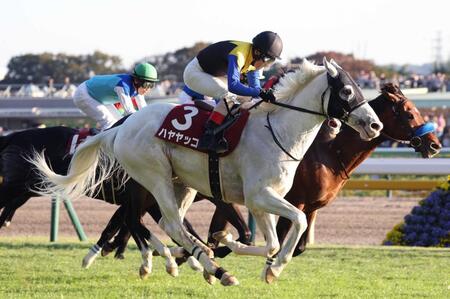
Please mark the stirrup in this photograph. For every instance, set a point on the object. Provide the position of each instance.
(211, 142)
(220, 145)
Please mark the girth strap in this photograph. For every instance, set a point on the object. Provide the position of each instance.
(214, 176)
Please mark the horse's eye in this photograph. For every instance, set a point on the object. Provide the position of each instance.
(346, 92)
(410, 116)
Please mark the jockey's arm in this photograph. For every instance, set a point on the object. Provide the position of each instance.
(125, 100)
(234, 80)
(253, 79)
(140, 101)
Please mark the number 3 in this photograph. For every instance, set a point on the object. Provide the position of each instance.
(193, 111)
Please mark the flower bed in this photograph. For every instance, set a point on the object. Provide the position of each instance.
(428, 224)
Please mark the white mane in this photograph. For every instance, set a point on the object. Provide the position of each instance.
(291, 83)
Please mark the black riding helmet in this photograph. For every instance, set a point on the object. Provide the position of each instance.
(269, 44)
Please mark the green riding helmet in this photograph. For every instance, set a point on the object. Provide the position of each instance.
(146, 72)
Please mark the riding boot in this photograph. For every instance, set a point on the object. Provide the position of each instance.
(212, 141)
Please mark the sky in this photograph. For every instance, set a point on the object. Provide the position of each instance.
(385, 31)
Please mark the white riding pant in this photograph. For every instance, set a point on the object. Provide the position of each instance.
(217, 87)
(184, 98)
(94, 109)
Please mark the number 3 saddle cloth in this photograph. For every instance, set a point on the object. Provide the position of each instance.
(185, 124)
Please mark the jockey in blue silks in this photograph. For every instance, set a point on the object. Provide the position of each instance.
(216, 72)
(98, 95)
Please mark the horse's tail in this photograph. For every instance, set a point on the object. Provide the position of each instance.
(92, 163)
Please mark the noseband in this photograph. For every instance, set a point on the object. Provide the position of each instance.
(416, 134)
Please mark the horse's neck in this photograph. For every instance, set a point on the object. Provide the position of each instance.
(294, 126)
(350, 150)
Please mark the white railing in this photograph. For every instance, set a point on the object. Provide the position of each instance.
(408, 166)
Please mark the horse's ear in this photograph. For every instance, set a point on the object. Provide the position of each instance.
(392, 97)
(335, 63)
(331, 69)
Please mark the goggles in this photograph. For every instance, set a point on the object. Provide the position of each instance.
(267, 58)
(148, 84)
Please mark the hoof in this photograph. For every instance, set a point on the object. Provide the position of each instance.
(228, 280)
(194, 264)
(222, 236)
(209, 278)
(144, 272)
(269, 276)
(119, 256)
(106, 250)
(172, 270)
(7, 223)
(87, 261)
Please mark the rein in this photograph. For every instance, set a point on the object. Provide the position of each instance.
(275, 139)
(269, 125)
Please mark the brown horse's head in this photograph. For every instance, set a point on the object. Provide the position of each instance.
(404, 123)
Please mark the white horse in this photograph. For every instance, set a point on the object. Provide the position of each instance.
(257, 174)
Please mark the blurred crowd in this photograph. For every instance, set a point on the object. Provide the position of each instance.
(67, 89)
(436, 82)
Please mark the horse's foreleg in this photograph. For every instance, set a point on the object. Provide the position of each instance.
(311, 224)
(264, 221)
(224, 213)
(171, 223)
(270, 202)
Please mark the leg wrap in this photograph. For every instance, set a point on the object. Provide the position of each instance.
(219, 272)
(269, 261)
(197, 252)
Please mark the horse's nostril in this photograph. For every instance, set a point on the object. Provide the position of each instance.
(333, 124)
(375, 126)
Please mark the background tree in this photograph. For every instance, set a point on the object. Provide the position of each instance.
(38, 68)
(171, 65)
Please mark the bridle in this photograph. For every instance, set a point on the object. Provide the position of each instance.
(416, 134)
(346, 108)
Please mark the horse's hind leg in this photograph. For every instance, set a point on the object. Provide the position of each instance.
(10, 209)
(110, 230)
(160, 185)
(120, 242)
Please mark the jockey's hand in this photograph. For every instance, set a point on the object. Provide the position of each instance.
(267, 95)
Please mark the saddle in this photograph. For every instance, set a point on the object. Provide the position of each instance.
(78, 138)
(184, 125)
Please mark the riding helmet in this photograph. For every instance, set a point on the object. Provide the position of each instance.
(269, 43)
(146, 72)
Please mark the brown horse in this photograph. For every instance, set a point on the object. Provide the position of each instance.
(328, 168)
(328, 164)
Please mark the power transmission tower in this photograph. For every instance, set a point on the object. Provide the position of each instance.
(437, 52)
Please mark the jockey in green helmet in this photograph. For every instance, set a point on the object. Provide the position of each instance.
(103, 97)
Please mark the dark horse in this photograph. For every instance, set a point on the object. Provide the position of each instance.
(329, 163)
